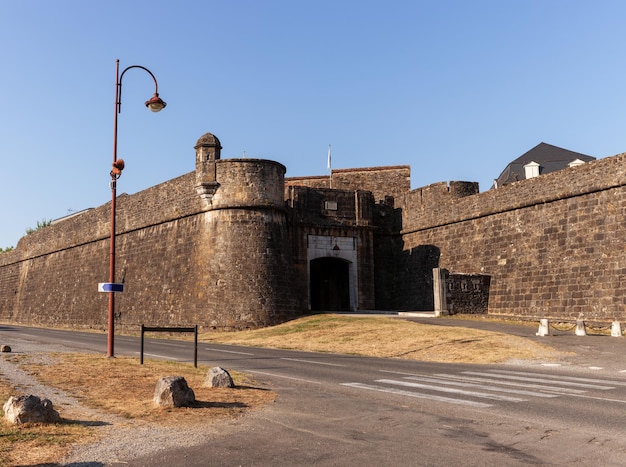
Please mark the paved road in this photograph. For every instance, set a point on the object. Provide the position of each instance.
(346, 410)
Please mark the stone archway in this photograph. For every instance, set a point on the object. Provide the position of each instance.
(330, 284)
(338, 267)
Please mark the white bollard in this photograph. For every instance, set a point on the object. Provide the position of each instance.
(544, 327)
(616, 329)
(581, 330)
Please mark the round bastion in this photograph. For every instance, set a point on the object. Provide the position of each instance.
(249, 183)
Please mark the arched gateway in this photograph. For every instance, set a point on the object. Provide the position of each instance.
(330, 284)
(332, 273)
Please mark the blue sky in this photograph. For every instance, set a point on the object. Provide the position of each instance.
(455, 89)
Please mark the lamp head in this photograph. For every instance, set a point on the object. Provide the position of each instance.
(155, 103)
(118, 166)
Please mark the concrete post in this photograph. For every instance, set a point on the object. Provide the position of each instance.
(439, 291)
(616, 329)
(544, 328)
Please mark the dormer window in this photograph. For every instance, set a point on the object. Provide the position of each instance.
(575, 163)
(531, 170)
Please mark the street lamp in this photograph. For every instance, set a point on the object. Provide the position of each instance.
(155, 104)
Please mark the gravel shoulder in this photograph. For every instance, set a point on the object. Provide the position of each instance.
(118, 439)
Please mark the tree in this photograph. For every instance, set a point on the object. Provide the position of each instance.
(43, 223)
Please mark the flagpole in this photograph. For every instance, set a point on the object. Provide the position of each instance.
(330, 168)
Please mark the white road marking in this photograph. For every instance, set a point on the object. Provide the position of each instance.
(513, 383)
(563, 377)
(481, 395)
(452, 382)
(228, 351)
(416, 394)
(311, 361)
(168, 357)
(282, 376)
(538, 380)
(400, 373)
(546, 385)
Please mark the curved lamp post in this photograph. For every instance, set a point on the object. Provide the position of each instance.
(155, 104)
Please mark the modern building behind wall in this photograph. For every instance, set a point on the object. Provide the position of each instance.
(235, 245)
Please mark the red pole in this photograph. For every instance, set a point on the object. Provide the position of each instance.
(111, 312)
(155, 104)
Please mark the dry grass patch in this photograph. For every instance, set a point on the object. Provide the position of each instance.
(389, 338)
(119, 386)
(124, 387)
(35, 444)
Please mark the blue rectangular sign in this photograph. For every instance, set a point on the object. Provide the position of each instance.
(110, 287)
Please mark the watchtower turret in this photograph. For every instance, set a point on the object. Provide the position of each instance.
(208, 150)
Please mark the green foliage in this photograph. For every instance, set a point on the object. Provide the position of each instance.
(43, 223)
(4, 250)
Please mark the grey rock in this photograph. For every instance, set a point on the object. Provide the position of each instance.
(218, 378)
(173, 391)
(29, 409)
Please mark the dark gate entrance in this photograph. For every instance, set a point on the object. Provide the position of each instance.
(330, 284)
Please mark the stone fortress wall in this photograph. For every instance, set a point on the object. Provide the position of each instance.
(51, 277)
(232, 244)
(185, 258)
(553, 245)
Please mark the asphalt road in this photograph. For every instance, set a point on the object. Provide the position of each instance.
(337, 410)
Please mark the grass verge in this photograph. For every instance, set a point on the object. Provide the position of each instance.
(389, 338)
(119, 386)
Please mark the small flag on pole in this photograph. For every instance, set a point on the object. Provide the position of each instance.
(330, 170)
(329, 162)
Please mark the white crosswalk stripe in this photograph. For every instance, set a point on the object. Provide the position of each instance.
(493, 385)
(539, 380)
(486, 387)
(481, 395)
(562, 377)
(514, 383)
(416, 394)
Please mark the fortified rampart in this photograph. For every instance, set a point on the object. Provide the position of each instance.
(185, 256)
(56, 270)
(393, 180)
(235, 245)
(553, 245)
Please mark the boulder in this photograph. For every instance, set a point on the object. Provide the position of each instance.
(218, 378)
(29, 409)
(173, 391)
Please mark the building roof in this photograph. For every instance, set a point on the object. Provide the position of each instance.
(550, 159)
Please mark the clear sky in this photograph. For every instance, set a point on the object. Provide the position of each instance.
(455, 89)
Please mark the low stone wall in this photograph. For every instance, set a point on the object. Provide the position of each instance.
(468, 293)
